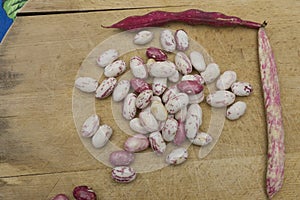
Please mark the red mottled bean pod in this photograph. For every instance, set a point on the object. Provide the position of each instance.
(270, 84)
(192, 17)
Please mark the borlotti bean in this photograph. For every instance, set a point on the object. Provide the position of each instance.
(193, 77)
(115, 69)
(220, 99)
(156, 54)
(143, 37)
(175, 77)
(182, 40)
(180, 135)
(190, 86)
(241, 89)
(197, 61)
(181, 114)
(157, 143)
(129, 108)
(162, 69)
(143, 99)
(193, 120)
(169, 130)
(121, 158)
(136, 143)
(106, 88)
(175, 103)
(211, 73)
(121, 90)
(159, 111)
(169, 93)
(167, 41)
(102, 136)
(236, 110)
(159, 85)
(86, 84)
(139, 85)
(201, 139)
(123, 174)
(136, 126)
(148, 121)
(177, 156)
(183, 63)
(90, 126)
(138, 67)
(226, 79)
(107, 57)
(196, 98)
(80, 192)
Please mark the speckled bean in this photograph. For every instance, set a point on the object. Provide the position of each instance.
(106, 88)
(241, 89)
(129, 108)
(167, 41)
(121, 90)
(107, 57)
(121, 158)
(90, 126)
(183, 63)
(226, 79)
(236, 110)
(177, 156)
(136, 143)
(211, 73)
(115, 69)
(86, 84)
(157, 143)
(159, 85)
(123, 174)
(143, 37)
(197, 61)
(182, 40)
(102, 136)
(201, 139)
(138, 67)
(220, 98)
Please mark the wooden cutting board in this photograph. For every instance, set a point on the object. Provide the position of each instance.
(41, 153)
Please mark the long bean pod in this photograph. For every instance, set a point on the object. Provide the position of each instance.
(270, 84)
(191, 16)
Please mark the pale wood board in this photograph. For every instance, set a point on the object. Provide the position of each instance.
(41, 6)
(41, 153)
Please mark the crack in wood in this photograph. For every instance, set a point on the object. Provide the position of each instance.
(48, 173)
(58, 12)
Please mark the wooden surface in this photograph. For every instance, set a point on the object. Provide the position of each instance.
(40, 152)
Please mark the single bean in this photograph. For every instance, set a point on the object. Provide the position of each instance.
(121, 158)
(156, 54)
(84, 192)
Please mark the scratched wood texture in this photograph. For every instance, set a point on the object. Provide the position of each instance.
(41, 154)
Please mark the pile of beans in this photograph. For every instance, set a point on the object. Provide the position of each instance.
(164, 109)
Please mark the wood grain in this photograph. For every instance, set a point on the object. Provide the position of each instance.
(40, 6)
(41, 153)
